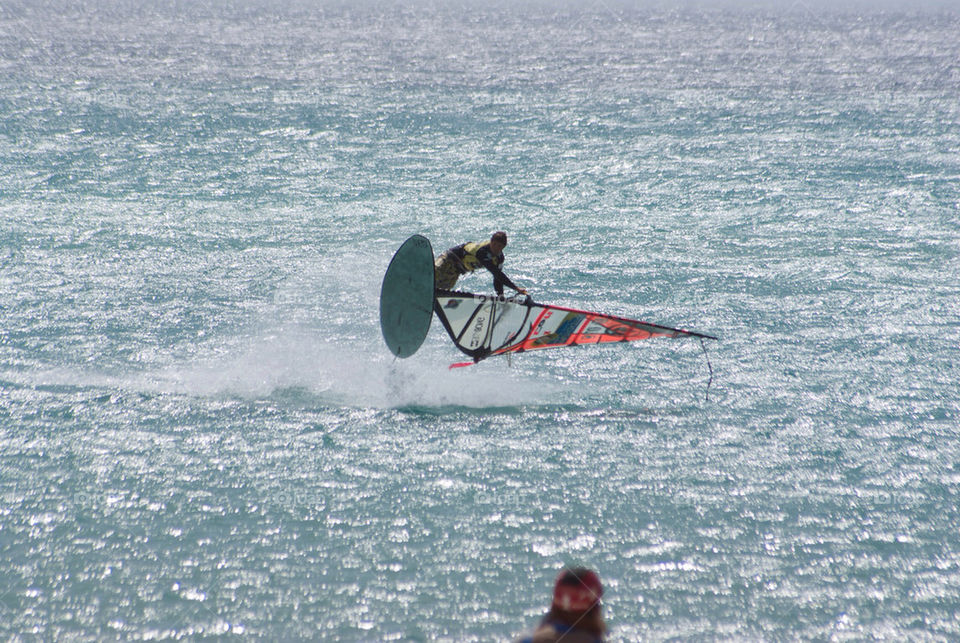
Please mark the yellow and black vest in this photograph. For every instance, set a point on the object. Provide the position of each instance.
(467, 253)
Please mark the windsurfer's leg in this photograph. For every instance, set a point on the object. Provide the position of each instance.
(445, 273)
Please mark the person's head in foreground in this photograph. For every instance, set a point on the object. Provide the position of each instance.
(575, 613)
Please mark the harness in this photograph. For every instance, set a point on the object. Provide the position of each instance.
(466, 255)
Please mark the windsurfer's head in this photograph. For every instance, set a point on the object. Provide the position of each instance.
(498, 241)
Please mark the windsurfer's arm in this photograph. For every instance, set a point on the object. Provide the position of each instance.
(499, 279)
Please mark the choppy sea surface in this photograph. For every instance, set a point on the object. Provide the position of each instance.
(202, 434)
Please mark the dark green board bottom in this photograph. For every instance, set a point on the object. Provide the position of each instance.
(406, 297)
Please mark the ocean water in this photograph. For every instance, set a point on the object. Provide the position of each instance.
(202, 434)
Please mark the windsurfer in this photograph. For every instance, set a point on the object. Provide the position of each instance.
(469, 256)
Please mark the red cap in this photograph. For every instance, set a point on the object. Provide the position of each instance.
(577, 590)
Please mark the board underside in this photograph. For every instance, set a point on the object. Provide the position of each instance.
(406, 297)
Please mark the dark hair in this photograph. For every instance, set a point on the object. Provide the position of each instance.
(579, 577)
(499, 236)
(572, 575)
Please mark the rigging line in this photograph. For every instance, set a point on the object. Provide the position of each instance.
(709, 366)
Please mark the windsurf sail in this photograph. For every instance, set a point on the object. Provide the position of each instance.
(483, 326)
